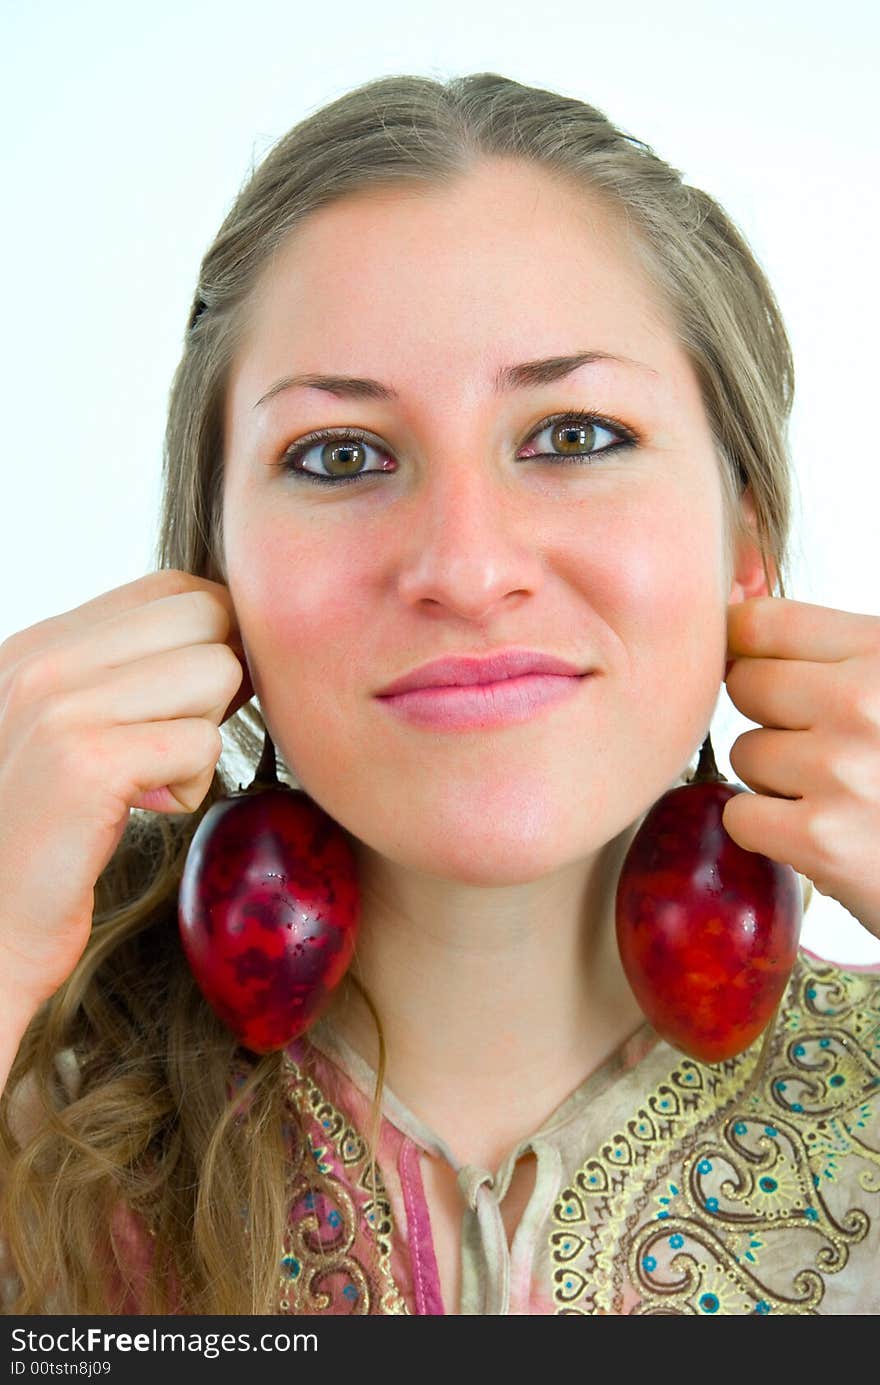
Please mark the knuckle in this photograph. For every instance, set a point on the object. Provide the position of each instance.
(836, 768)
(31, 681)
(55, 716)
(13, 648)
(229, 669)
(211, 743)
(209, 610)
(854, 774)
(866, 705)
(169, 581)
(734, 680)
(742, 752)
(819, 832)
(81, 760)
(749, 621)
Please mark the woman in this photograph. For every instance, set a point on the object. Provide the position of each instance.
(556, 386)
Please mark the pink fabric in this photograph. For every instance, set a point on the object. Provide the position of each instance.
(428, 1296)
(412, 1262)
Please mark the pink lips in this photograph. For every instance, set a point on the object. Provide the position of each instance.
(458, 693)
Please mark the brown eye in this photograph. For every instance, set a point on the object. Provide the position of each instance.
(577, 437)
(334, 457)
(338, 457)
(573, 437)
(343, 458)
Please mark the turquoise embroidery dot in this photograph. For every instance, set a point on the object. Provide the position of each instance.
(811, 993)
(711, 1204)
(673, 1190)
(334, 1219)
(796, 1106)
(762, 1307)
(649, 1263)
(661, 1216)
(815, 1180)
(812, 1214)
(309, 1200)
(291, 1266)
(350, 1292)
(740, 1128)
(799, 1051)
(780, 1085)
(837, 1080)
(767, 1184)
(771, 1131)
(676, 1241)
(704, 1166)
(824, 1043)
(709, 1303)
(569, 1285)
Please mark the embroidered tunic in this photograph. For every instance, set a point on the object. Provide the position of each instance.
(663, 1185)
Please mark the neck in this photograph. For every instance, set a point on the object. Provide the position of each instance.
(495, 1002)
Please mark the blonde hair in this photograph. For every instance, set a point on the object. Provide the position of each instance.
(152, 1121)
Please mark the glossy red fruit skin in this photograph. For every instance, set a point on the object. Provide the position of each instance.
(269, 911)
(707, 931)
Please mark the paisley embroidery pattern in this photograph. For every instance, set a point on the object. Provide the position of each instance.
(336, 1256)
(677, 1212)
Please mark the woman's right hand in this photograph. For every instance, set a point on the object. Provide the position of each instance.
(114, 705)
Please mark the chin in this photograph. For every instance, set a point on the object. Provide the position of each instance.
(484, 861)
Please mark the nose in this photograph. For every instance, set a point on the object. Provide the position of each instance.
(468, 549)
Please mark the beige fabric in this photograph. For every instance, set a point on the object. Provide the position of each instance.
(665, 1185)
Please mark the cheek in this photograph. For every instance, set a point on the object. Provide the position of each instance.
(654, 576)
(656, 569)
(300, 601)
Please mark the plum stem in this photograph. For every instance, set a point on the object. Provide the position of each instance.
(707, 772)
(266, 776)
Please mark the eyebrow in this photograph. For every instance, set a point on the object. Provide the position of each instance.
(511, 377)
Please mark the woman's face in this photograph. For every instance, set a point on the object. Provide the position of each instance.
(460, 539)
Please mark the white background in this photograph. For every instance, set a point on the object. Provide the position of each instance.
(130, 128)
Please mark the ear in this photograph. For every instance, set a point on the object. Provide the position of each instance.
(748, 578)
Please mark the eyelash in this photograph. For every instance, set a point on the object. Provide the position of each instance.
(293, 454)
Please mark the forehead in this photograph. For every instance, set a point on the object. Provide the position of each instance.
(509, 262)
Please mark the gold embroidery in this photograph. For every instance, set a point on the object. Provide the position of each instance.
(314, 1259)
(678, 1212)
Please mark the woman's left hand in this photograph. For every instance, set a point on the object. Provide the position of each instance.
(810, 676)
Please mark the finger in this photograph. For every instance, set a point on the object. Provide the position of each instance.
(773, 827)
(193, 617)
(199, 681)
(168, 767)
(788, 764)
(782, 694)
(172, 622)
(775, 627)
(121, 601)
(244, 694)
